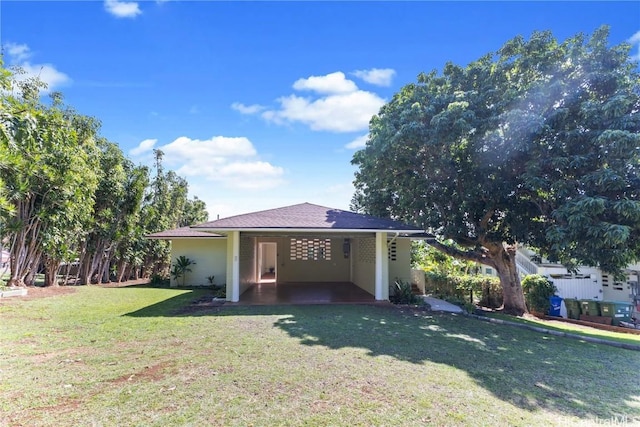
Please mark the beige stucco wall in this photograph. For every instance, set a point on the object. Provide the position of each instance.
(364, 262)
(401, 267)
(210, 256)
(336, 269)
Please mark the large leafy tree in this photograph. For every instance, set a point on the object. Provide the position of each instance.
(537, 144)
(47, 175)
(118, 200)
(166, 206)
(69, 196)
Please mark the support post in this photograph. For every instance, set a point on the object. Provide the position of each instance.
(233, 266)
(382, 268)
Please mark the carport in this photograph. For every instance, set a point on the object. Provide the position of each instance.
(305, 293)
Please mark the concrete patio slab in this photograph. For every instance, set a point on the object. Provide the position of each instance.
(440, 305)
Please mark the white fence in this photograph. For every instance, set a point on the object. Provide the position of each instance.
(578, 288)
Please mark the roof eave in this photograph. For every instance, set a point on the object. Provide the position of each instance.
(312, 230)
(184, 237)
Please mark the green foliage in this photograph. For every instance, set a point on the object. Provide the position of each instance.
(47, 176)
(158, 280)
(537, 290)
(194, 212)
(428, 258)
(482, 290)
(220, 291)
(67, 194)
(535, 144)
(401, 293)
(181, 267)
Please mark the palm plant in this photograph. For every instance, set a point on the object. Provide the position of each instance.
(181, 267)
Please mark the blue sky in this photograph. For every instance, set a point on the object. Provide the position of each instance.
(262, 104)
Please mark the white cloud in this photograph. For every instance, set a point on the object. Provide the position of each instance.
(333, 83)
(143, 147)
(19, 55)
(122, 9)
(218, 146)
(376, 76)
(634, 41)
(251, 175)
(359, 142)
(17, 52)
(247, 109)
(338, 105)
(47, 73)
(229, 161)
(349, 112)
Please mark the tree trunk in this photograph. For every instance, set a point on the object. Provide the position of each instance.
(504, 257)
(122, 267)
(51, 268)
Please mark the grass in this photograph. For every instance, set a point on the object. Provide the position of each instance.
(132, 356)
(573, 329)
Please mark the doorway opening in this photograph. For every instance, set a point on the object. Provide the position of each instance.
(267, 262)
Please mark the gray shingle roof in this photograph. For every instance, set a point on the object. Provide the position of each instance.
(181, 233)
(306, 216)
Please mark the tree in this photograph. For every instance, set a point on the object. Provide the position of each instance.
(166, 206)
(195, 212)
(67, 194)
(118, 200)
(47, 174)
(536, 144)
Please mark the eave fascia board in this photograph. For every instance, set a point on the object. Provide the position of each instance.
(312, 230)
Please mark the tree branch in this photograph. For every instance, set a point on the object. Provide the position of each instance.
(474, 255)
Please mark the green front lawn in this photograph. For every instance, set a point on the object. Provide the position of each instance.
(132, 356)
(570, 328)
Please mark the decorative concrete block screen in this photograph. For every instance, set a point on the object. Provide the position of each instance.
(310, 249)
(246, 249)
(367, 250)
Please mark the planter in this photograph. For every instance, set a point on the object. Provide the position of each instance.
(13, 293)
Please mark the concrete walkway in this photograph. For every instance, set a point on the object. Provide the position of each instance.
(440, 305)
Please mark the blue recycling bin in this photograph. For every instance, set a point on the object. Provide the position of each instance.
(556, 304)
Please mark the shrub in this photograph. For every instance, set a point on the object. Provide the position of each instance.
(401, 293)
(485, 290)
(537, 290)
(219, 291)
(159, 280)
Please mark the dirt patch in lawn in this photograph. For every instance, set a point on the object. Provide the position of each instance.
(203, 303)
(149, 373)
(34, 292)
